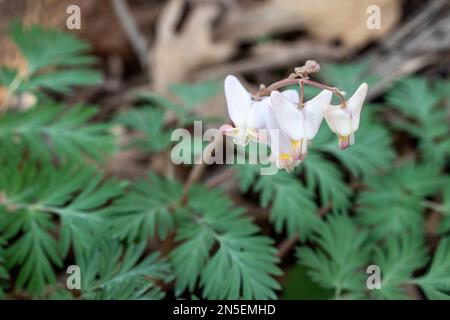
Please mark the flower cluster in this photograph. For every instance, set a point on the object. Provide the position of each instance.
(284, 122)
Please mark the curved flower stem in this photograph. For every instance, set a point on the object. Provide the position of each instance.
(287, 82)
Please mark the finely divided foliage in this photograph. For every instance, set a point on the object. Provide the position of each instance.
(349, 209)
(221, 246)
(49, 132)
(55, 60)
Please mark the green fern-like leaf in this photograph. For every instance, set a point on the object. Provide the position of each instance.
(56, 60)
(444, 225)
(3, 272)
(247, 176)
(189, 96)
(348, 77)
(35, 251)
(328, 178)
(436, 282)
(47, 131)
(149, 122)
(293, 207)
(342, 254)
(147, 210)
(192, 95)
(30, 200)
(110, 272)
(244, 263)
(423, 116)
(401, 255)
(394, 202)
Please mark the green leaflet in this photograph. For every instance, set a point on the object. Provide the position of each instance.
(342, 252)
(112, 272)
(30, 200)
(48, 131)
(55, 60)
(147, 209)
(436, 282)
(150, 122)
(398, 258)
(246, 260)
(394, 202)
(424, 116)
(292, 204)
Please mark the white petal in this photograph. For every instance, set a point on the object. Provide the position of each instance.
(292, 165)
(242, 138)
(314, 112)
(279, 143)
(292, 95)
(338, 120)
(238, 100)
(355, 103)
(258, 110)
(291, 120)
(229, 131)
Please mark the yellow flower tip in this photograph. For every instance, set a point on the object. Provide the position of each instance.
(299, 149)
(344, 142)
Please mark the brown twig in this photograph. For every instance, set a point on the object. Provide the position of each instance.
(129, 26)
(220, 178)
(287, 244)
(197, 171)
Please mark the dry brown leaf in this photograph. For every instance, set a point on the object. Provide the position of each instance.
(9, 54)
(326, 20)
(176, 54)
(346, 20)
(99, 25)
(3, 95)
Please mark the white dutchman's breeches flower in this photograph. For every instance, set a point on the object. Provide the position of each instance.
(298, 126)
(344, 120)
(286, 124)
(247, 114)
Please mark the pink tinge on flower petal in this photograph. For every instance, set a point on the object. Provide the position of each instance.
(348, 112)
(304, 155)
(229, 130)
(283, 161)
(262, 136)
(292, 165)
(296, 151)
(344, 142)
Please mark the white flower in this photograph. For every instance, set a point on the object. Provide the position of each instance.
(344, 121)
(297, 126)
(280, 144)
(247, 114)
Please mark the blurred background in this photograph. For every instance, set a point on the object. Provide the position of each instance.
(157, 43)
